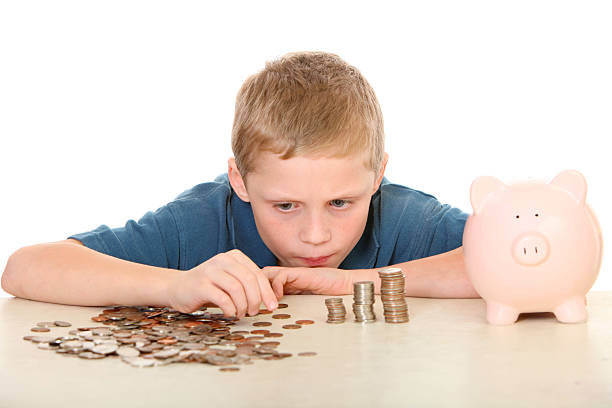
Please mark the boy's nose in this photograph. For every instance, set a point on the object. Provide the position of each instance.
(315, 231)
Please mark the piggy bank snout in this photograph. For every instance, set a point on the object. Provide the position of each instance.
(531, 249)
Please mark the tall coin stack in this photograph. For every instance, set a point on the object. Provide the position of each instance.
(336, 310)
(363, 299)
(392, 295)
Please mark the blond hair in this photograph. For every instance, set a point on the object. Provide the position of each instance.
(307, 103)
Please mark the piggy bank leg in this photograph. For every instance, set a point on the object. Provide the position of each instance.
(572, 310)
(501, 314)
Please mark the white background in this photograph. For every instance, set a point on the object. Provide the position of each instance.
(111, 109)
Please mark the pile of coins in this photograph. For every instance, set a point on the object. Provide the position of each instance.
(363, 301)
(336, 313)
(392, 295)
(151, 336)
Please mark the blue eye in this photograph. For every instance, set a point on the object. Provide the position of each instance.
(284, 206)
(339, 203)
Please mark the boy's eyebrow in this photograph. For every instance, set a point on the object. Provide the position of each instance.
(280, 196)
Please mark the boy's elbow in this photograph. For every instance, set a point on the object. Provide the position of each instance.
(10, 276)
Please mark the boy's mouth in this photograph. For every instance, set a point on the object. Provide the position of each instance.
(318, 261)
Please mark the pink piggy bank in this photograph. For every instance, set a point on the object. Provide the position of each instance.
(532, 247)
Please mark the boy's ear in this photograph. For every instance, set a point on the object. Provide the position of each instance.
(236, 180)
(381, 174)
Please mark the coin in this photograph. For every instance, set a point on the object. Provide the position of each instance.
(281, 316)
(40, 329)
(292, 326)
(307, 354)
(261, 331)
(61, 323)
(262, 324)
(273, 335)
(336, 310)
(392, 295)
(229, 369)
(302, 322)
(282, 305)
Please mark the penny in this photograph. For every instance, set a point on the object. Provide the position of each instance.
(45, 324)
(229, 369)
(282, 305)
(39, 329)
(270, 343)
(99, 318)
(273, 335)
(240, 332)
(264, 311)
(261, 331)
(60, 323)
(262, 324)
(292, 326)
(168, 340)
(281, 316)
(302, 322)
(307, 354)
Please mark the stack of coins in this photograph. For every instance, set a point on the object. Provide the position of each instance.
(363, 299)
(392, 295)
(336, 310)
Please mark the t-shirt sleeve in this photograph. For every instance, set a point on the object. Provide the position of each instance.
(425, 227)
(152, 240)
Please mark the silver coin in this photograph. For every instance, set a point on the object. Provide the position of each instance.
(104, 348)
(126, 351)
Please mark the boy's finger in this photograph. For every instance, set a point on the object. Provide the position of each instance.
(250, 284)
(232, 287)
(277, 284)
(221, 300)
(266, 293)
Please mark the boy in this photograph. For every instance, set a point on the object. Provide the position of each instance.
(305, 190)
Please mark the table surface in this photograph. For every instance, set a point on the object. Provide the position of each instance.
(447, 355)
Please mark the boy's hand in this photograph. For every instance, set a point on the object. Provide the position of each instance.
(229, 280)
(316, 281)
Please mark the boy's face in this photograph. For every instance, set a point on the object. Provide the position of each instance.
(309, 211)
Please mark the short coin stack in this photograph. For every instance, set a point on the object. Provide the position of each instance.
(363, 299)
(336, 310)
(392, 295)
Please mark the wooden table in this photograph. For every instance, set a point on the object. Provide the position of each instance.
(447, 355)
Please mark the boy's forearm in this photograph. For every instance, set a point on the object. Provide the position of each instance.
(438, 276)
(66, 273)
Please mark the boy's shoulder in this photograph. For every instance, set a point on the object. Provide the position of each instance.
(220, 186)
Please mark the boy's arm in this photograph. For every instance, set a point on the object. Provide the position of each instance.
(69, 273)
(438, 276)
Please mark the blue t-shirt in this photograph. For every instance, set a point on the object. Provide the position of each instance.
(208, 219)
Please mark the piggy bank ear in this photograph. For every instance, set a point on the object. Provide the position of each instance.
(481, 188)
(572, 182)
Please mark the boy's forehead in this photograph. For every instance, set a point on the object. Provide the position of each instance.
(330, 174)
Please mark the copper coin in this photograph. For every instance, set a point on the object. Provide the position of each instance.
(292, 326)
(260, 331)
(273, 335)
(192, 324)
(262, 324)
(307, 354)
(167, 340)
(39, 329)
(264, 311)
(270, 343)
(256, 337)
(304, 322)
(281, 316)
(229, 369)
(240, 332)
(282, 305)
(99, 318)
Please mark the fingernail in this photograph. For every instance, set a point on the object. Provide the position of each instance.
(272, 305)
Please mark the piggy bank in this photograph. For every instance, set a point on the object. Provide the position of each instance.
(532, 247)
